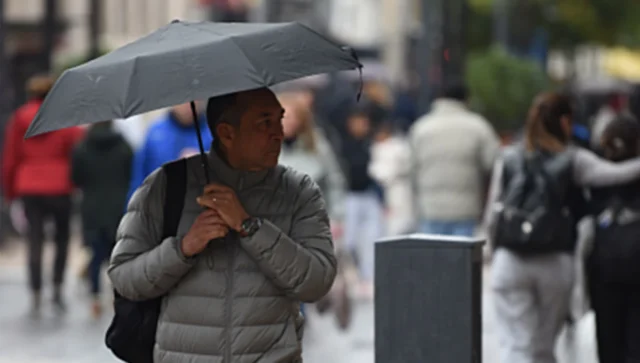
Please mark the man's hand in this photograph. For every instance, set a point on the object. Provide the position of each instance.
(208, 226)
(224, 200)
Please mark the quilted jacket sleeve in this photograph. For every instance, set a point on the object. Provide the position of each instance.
(143, 266)
(303, 263)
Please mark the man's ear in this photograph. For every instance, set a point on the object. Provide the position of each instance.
(226, 134)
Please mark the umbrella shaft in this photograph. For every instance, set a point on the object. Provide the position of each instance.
(203, 155)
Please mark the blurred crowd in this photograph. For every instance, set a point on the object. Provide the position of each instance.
(385, 170)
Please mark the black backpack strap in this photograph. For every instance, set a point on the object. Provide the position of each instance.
(550, 184)
(176, 188)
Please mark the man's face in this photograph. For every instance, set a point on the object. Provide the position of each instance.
(257, 141)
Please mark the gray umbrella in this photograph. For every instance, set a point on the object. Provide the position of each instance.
(183, 62)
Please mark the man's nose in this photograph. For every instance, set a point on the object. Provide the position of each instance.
(278, 132)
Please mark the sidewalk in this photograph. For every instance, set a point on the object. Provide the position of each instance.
(77, 338)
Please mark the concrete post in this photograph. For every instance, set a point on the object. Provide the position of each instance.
(428, 299)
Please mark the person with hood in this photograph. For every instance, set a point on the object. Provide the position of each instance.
(101, 169)
(36, 171)
(172, 137)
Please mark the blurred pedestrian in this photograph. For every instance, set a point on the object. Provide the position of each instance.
(254, 245)
(613, 259)
(536, 199)
(36, 171)
(101, 169)
(333, 104)
(379, 101)
(306, 149)
(364, 213)
(391, 167)
(171, 137)
(454, 150)
(132, 129)
(616, 104)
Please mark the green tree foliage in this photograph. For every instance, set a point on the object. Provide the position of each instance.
(502, 86)
(568, 22)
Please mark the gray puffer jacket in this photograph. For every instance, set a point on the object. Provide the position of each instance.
(238, 301)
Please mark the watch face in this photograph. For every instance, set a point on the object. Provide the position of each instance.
(246, 225)
(251, 225)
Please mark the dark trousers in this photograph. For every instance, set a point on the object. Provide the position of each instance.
(38, 210)
(101, 241)
(617, 312)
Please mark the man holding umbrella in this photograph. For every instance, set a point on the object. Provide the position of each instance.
(252, 239)
(238, 295)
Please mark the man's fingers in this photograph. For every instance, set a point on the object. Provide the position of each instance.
(217, 232)
(209, 213)
(217, 195)
(216, 188)
(213, 202)
(206, 202)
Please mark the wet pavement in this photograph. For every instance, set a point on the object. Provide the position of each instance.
(78, 338)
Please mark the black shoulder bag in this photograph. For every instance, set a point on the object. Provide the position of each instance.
(132, 333)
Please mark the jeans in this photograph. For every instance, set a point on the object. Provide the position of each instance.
(101, 245)
(38, 209)
(449, 228)
(363, 226)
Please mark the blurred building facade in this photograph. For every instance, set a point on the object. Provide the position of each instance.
(120, 21)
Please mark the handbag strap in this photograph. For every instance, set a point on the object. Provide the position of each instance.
(175, 190)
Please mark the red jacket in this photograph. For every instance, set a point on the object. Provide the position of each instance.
(39, 165)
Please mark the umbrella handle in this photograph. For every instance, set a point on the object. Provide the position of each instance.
(203, 154)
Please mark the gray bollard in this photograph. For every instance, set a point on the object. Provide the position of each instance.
(428, 300)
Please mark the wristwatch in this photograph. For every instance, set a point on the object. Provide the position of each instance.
(250, 226)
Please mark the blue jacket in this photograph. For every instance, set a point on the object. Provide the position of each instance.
(166, 140)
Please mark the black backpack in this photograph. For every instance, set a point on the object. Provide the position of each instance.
(616, 253)
(533, 215)
(132, 333)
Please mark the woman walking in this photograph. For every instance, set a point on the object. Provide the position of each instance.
(613, 264)
(536, 200)
(36, 171)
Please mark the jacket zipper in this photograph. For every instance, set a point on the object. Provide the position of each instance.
(229, 304)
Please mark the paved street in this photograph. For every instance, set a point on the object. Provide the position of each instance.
(77, 338)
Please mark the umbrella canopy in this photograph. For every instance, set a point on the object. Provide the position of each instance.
(185, 61)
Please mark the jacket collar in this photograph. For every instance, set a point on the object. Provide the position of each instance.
(233, 178)
(448, 105)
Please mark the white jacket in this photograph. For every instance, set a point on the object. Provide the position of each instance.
(391, 167)
(453, 154)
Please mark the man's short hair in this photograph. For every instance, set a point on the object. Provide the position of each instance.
(458, 92)
(223, 109)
